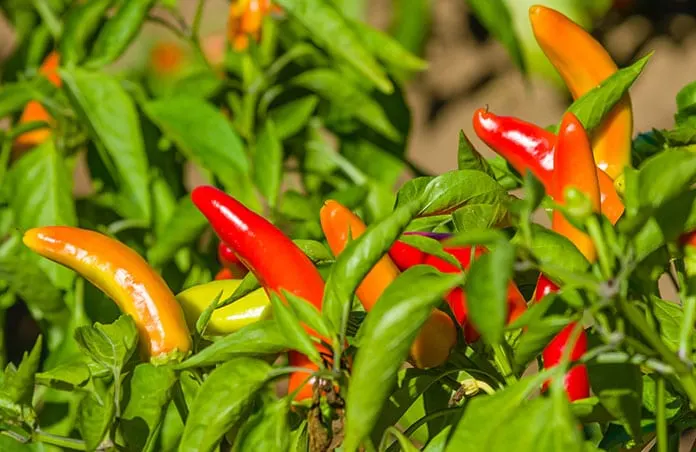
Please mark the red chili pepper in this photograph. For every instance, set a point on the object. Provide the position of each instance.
(576, 381)
(529, 147)
(273, 258)
(405, 256)
(225, 273)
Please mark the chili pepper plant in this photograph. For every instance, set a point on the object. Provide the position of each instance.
(298, 295)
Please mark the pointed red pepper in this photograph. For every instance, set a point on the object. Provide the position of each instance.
(270, 255)
(576, 381)
(529, 147)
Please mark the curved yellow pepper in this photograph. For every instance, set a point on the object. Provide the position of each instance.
(228, 319)
(583, 64)
(125, 277)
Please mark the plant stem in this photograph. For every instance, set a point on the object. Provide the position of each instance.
(686, 376)
(59, 441)
(503, 362)
(661, 416)
(595, 232)
(688, 296)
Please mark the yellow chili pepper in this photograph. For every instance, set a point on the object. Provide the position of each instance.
(125, 277)
(228, 319)
(437, 337)
(583, 64)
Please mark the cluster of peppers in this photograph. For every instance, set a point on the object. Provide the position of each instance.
(249, 242)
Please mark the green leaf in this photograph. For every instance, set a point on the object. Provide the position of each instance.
(268, 163)
(353, 102)
(451, 191)
(65, 376)
(95, 415)
(266, 429)
(387, 334)
(110, 345)
(592, 107)
(411, 21)
(295, 336)
(15, 96)
(480, 216)
(307, 313)
(40, 187)
(548, 425)
(495, 16)
(619, 387)
(686, 97)
(204, 135)
(27, 280)
(486, 417)
(430, 246)
(121, 29)
(292, 117)
(80, 24)
(114, 126)
(665, 176)
(555, 250)
(358, 258)
(415, 390)
(221, 401)
(387, 49)
(184, 227)
(259, 338)
(315, 251)
(468, 158)
(330, 30)
(18, 383)
(486, 291)
(149, 391)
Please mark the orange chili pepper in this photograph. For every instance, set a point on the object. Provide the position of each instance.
(437, 337)
(245, 18)
(583, 64)
(34, 111)
(574, 166)
(125, 277)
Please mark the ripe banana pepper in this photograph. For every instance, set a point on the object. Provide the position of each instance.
(228, 319)
(125, 277)
(437, 337)
(529, 147)
(271, 256)
(34, 111)
(583, 64)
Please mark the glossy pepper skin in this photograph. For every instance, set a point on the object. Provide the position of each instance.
(574, 166)
(437, 337)
(271, 256)
(125, 277)
(576, 382)
(34, 111)
(228, 319)
(529, 147)
(583, 64)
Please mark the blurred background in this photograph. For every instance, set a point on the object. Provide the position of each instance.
(468, 67)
